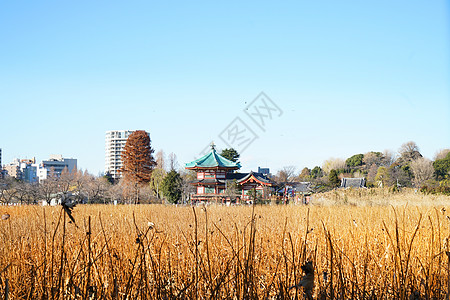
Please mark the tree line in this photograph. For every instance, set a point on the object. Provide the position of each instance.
(157, 178)
(145, 178)
(405, 168)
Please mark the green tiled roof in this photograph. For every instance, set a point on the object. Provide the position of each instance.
(213, 159)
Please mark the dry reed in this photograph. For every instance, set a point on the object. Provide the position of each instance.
(216, 252)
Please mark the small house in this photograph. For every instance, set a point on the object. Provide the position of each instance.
(355, 183)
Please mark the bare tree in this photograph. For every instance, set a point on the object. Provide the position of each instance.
(333, 164)
(372, 173)
(409, 151)
(48, 188)
(287, 174)
(94, 188)
(12, 190)
(23, 191)
(422, 169)
(187, 176)
(20, 192)
(173, 163)
(146, 194)
(388, 158)
(373, 158)
(232, 189)
(115, 193)
(65, 180)
(8, 190)
(160, 159)
(33, 193)
(79, 180)
(441, 154)
(128, 191)
(409, 147)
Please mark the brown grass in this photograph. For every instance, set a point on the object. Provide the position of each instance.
(359, 252)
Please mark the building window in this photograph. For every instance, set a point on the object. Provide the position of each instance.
(210, 190)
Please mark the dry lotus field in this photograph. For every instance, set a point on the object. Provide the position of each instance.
(218, 252)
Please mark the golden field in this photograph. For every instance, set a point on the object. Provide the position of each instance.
(363, 246)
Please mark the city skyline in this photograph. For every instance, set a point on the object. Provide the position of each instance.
(346, 77)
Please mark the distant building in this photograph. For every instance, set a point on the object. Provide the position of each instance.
(13, 169)
(215, 173)
(55, 164)
(3, 172)
(41, 173)
(22, 169)
(298, 192)
(115, 141)
(29, 173)
(355, 183)
(264, 171)
(28, 168)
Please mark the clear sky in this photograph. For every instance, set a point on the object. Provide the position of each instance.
(347, 76)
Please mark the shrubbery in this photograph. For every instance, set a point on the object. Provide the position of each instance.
(442, 188)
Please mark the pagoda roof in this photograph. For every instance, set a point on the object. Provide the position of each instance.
(258, 177)
(213, 160)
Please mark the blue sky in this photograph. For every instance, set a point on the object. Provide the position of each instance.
(349, 77)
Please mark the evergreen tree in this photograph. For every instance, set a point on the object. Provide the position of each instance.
(316, 172)
(171, 187)
(108, 177)
(355, 161)
(230, 154)
(442, 167)
(305, 174)
(334, 179)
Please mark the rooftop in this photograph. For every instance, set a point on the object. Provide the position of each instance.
(353, 182)
(213, 160)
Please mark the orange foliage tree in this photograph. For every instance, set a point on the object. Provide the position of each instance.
(137, 158)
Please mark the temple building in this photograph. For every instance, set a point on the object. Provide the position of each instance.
(216, 176)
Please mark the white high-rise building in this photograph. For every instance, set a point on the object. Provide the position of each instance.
(114, 143)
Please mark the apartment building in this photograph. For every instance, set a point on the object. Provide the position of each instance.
(115, 141)
(54, 166)
(23, 169)
(13, 169)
